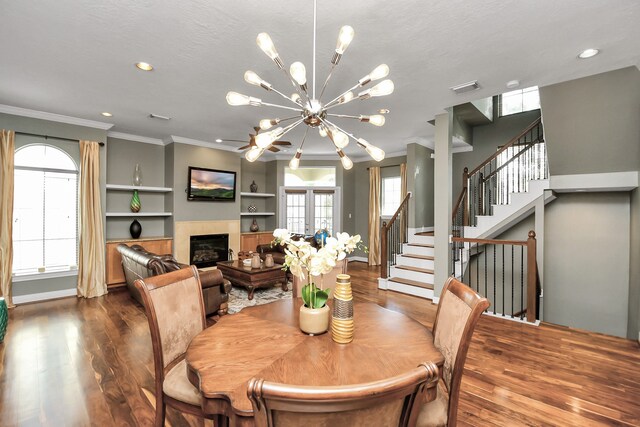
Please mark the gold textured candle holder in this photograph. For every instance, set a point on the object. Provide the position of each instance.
(342, 326)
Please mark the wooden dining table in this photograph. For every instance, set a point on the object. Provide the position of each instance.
(265, 342)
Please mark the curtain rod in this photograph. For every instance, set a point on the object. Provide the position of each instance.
(53, 137)
(388, 166)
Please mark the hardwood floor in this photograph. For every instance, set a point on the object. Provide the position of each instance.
(76, 362)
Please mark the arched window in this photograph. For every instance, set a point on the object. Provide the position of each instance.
(45, 210)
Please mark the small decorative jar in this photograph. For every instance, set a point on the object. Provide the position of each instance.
(254, 226)
(252, 208)
(342, 326)
(255, 260)
(268, 260)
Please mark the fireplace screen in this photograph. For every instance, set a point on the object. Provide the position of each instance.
(207, 250)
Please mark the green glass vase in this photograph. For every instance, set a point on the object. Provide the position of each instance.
(135, 202)
(4, 318)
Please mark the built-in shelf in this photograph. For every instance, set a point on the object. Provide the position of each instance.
(132, 214)
(118, 187)
(257, 213)
(245, 194)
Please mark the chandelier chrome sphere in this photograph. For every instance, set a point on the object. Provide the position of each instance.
(309, 109)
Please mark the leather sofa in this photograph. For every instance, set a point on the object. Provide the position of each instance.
(137, 263)
(278, 250)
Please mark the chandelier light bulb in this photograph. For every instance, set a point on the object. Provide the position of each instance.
(263, 140)
(322, 131)
(380, 72)
(298, 73)
(383, 88)
(266, 44)
(295, 161)
(376, 119)
(295, 98)
(268, 123)
(252, 78)
(340, 139)
(253, 154)
(375, 152)
(346, 161)
(236, 99)
(344, 39)
(346, 98)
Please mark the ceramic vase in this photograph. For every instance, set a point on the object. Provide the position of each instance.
(253, 187)
(135, 229)
(254, 226)
(314, 321)
(4, 318)
(137, 176)
(342, 326)
(255, 260)
(268, 260)
(135, 202)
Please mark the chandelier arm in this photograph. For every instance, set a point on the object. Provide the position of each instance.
(343, 131)
(281, 106)
(344, 116)
(284, 96)
(296, 86)
(315, 19)
(304, 138)
(290, 127)
(334, 100)
(324, 86)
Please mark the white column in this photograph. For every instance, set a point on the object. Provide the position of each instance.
(442, 199)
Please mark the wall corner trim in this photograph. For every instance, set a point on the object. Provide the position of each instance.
(135, 138)
(43, 115)
(611, 181)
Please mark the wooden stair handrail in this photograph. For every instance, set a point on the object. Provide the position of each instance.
(395, 215)
(507, 145)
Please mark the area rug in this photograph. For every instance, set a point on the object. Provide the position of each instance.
(239, 297)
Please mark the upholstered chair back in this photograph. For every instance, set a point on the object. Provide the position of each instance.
(390, 402)
(175, 311)
(458, 312)
(325, 280)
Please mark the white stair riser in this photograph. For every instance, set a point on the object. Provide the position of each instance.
(411, 290)
(417, 250)
(411, 275)
(414, 262)
(425, 240)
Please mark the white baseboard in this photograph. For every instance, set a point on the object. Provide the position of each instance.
(382, 283)
(359, 258)
(44, 296)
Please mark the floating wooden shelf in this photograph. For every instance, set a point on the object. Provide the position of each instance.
(257, 213)
(132, 214)
(245, 194)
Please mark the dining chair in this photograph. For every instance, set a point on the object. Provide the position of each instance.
(175, 311)
(458, 312)
(389, 402)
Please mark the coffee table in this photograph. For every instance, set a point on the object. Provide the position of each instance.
(251, 278)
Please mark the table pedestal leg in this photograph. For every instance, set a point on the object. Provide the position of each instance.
(285, 286)
(251, 289)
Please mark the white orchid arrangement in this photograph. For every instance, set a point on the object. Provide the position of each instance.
(301, 256)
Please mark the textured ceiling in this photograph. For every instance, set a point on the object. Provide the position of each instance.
(76, 58)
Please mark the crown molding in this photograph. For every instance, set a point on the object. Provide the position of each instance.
(199, 143)
(52, 117)
(136, 138)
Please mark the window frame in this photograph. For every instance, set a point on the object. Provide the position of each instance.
(42, 272)
(383, 214)
(521, 96)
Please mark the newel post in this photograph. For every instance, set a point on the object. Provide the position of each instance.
(465, 201)
(383, 250)
(532, 297)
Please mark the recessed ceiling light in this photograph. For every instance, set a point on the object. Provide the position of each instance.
(218, 140)
(383, 111)
(106, 114)
(513, 84)
(588, 53)
(144, 66)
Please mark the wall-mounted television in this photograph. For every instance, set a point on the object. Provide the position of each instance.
(211, 185)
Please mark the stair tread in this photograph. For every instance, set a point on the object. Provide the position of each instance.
(424, 233)
(416, 269)
(421, 245)
(411, 282)
(425, 257)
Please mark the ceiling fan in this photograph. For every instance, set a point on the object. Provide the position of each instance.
(252, 141)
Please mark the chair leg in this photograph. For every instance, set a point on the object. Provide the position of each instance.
(161, 410)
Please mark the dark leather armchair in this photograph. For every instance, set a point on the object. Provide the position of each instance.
(278, 250)
(137, 263)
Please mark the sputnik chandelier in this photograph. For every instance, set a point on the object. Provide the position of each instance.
(309, 109)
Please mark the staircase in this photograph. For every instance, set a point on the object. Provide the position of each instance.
(496, 195)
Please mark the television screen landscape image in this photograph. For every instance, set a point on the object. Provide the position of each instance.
(211, 184)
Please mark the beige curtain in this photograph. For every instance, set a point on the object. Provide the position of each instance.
(7, 151)
(91, 260)
(374, 216)
(403, 193)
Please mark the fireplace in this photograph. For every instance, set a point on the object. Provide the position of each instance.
(208, 249)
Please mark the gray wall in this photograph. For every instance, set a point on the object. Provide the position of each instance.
(257, 171)
(189, 155)
(592, 124)
(586, 261)
(633, 324)
(122, 156)
(420, 167)
(63, 130)
(486, 140)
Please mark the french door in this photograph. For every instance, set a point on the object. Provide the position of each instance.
(305, 210)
